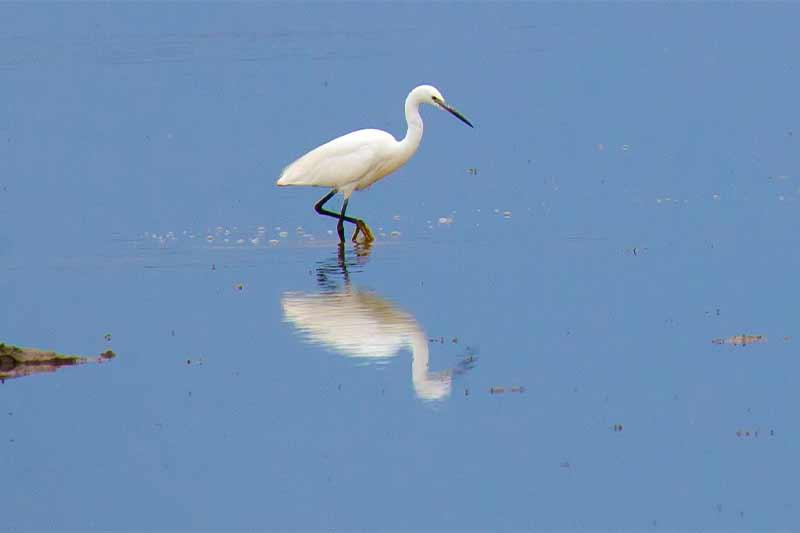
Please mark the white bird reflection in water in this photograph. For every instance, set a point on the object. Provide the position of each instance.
(359, 323)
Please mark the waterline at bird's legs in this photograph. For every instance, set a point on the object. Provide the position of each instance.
(362, 227)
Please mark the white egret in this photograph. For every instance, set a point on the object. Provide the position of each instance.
(355, 161)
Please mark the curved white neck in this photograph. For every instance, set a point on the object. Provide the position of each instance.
(411, 141)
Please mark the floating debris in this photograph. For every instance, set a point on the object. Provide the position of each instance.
(617, 427)
(506, 214)
(637, 250)
(442, 340)
(395, 233)
(754, 433)
(473, 171)
(16, 362)
(239, 286)
(741, 340)
(503, 390)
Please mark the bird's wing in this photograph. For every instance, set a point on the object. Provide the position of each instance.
(340, 162)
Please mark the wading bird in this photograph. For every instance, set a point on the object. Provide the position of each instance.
(355, 161)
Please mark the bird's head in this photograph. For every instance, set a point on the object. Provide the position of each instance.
(428, 94)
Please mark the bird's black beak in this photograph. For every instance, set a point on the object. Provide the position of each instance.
(456, 114)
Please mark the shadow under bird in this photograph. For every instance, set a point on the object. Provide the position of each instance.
(355, 161)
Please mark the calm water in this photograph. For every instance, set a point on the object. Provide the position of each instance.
(542, 337)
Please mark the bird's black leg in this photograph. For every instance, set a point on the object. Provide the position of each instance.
(360, 225)
(322, 211)
(340, 225)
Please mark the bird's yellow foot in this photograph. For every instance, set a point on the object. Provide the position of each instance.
(362, 227)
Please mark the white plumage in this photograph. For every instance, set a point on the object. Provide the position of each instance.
(355, 161)
(348, 163)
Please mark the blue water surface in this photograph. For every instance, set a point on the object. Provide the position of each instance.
(543, 335)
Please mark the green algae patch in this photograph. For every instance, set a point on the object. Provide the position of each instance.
(16, 362)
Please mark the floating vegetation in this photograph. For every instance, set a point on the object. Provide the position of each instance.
(16, 362)
(741, 340)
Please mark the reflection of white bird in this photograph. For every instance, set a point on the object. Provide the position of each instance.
(361, 324)
(355, 161)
